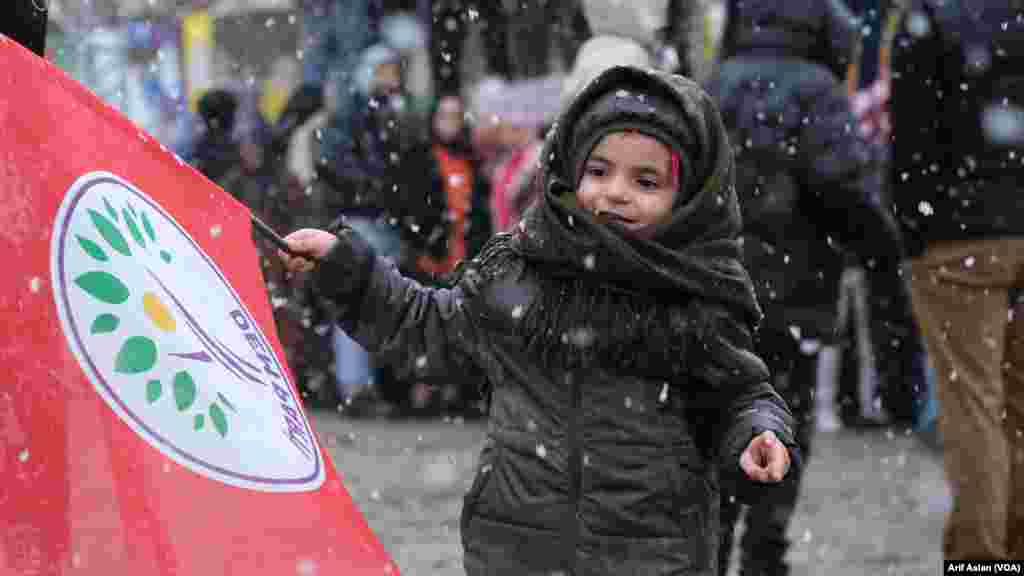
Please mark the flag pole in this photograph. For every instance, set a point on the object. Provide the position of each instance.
(267, 232)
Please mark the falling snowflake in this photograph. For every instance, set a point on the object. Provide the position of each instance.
(925, 208)
(542, 451)
(589, 261)
(215, 231)
(35, 284)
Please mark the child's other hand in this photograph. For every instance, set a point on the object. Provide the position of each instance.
(315, 243)
(766, 459)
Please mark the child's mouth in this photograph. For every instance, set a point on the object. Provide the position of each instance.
(608, 217)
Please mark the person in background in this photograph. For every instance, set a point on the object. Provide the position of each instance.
(382, 183)
(957, 172)
(511, 117)
(808, 186)
(216, 152)
(457, 166)
(468, 228)
(336, 33)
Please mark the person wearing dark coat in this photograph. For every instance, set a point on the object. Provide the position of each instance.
(217, 152)
(808, 185)
(612, 331)
(957, 114)
(384, 181)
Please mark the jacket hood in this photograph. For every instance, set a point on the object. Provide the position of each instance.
(696, 252)
(821, 31)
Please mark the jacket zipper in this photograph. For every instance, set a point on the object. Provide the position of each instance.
(572, 525)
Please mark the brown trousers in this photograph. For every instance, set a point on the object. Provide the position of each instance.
(966, 300)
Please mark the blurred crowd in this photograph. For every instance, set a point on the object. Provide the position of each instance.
(428, 176)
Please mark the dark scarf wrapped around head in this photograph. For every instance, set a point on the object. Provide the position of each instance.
(680, 303)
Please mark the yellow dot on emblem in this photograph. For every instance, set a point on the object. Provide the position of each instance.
(157, 312)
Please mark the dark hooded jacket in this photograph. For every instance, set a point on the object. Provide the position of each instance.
(621, 379)
(958, 121)
(808, 183)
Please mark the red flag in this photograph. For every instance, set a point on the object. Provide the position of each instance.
(148, 424)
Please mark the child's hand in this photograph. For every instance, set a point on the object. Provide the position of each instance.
(765, 459)
(315, 243)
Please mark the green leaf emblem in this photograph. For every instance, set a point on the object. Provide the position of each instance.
(104, 323)
(103, 286)
(110, 233)
(133, 228)
(92, 249)
(149, 227)
(220, 422)
(153, 391)
(184, 390)
(137, 354)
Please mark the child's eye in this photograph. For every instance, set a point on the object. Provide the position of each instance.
(647, 183)
(596, 171)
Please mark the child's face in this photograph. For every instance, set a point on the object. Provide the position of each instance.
(448, 121)
(628, 180)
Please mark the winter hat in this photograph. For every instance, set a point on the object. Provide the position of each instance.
(599, 54)
(646, 111)
(528, 103)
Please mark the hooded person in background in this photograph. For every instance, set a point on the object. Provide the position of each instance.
(384, 182)
(612, 330)
(806, 179)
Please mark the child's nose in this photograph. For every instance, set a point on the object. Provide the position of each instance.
(616, 192)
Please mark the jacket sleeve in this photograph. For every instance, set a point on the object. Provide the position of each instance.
(744, 404)
(422, 332)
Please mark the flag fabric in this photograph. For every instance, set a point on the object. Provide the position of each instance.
(148, 421)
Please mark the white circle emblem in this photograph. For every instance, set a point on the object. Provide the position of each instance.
(169, 345)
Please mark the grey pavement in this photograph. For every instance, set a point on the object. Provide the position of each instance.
(873, 501)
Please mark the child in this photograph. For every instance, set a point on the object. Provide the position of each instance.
(613, 328)
(459, 170)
